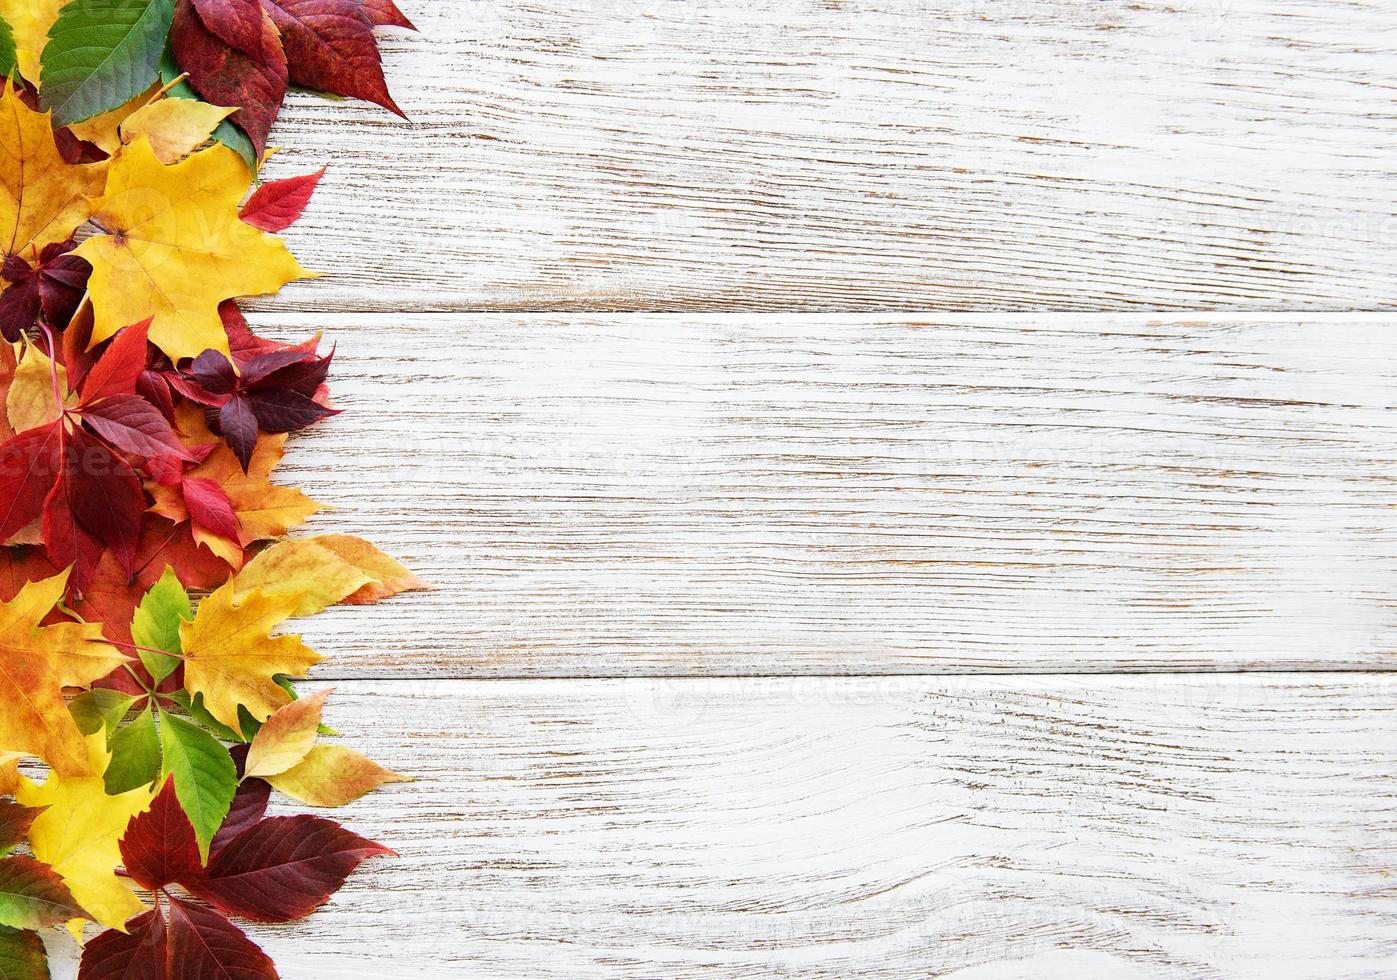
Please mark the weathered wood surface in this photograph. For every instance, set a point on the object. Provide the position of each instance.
(625, 494)
(1226, 827)
(862, 154)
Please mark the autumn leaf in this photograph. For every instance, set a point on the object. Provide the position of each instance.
(15, 821)
(159, 847)
(283, 868)
(139, 953)
(175, 248)
(36, 662)
(263, 509)
(104, 130)
(324, 571)
(31, 402)
(285, 738)
(231, 658)
(43, 198)
(385, 13)
(175, 127)
(33, 896)
(31, 20)
(239, 24)
(225, 75)
(101, 54)
(78, 832)
(330, 47)
(276, 393)
(52, 287)
(203, 943)
(332, 775)
(277, 204)
(22, 955)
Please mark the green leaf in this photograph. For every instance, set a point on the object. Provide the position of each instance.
(197, 711)
(227, 133)
(32, 896)
(9, 58)
(156, 624)
(205, 777)
(22, 955)
(102, 54)
(135, 755)
(99, 708)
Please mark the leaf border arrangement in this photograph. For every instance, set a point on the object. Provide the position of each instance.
(147, 711)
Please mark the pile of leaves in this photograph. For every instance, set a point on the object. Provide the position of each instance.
(147, 712)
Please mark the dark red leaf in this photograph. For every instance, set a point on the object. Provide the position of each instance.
(214, 372)
(119, 368)
(282, 410)
(385, 13)
(29, 467)
(133, 425)
(19, 303)
(154, 388)
(105, 496)
(54, 287)
(277, 204)
(210, 508)
(137, 954)
(330, 46)
(224, 75)
(249, 806)
(283, 868)
(305, 376)
(257, 370)
(203, 945)
(159, 845)
(15, 821)
(62, 282)
(239, 427)
(67, 541)
(237, 23)
(49, 901)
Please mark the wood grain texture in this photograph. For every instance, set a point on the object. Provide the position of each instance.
(838, 155)
(638, 494)
(1199, 828)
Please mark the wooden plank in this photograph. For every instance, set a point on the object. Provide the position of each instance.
(1095, 828)
(638, 494)
(862, 154)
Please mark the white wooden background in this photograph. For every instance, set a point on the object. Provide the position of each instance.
(858, 444)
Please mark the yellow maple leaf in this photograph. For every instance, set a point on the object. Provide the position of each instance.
(78, 835)
(175, 248)
(30, 20)
(43, 199)
(175, 127)
(36, 663)
(230, 656)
